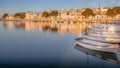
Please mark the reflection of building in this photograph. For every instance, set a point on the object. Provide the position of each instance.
(51, 27)
(28, 26)
(9, 24)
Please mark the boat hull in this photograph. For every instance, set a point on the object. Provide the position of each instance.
(98, 48)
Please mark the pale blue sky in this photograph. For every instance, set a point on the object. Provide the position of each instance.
(12, 6)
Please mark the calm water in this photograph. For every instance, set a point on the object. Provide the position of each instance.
(45, 44)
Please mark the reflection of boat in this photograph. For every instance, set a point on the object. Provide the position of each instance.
(112, 57)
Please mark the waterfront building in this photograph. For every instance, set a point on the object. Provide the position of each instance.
(62, 14)
(10, 17)
(73, 15)
(30, 15)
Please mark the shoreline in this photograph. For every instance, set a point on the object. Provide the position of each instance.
(62, 21)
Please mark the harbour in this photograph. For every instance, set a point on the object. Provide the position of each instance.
(46, 43)
(59, 34)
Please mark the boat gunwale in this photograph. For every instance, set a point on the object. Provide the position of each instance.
(93, 44)
(102, 39)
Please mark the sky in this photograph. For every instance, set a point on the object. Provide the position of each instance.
(13, 6)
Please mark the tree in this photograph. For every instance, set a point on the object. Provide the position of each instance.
(110, 13)
(113, 12)
(88, 12)
(54, 13)
(45, 14)
(5, 15)
(19, 15)
(116, 10)
(68, 13)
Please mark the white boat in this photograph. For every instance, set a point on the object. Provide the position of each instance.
(107, 42)
(102, 39)
(104, 32)
(100, 46)
(118, 21)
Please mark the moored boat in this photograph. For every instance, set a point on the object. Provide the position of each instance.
(106, 38)
(100, 46)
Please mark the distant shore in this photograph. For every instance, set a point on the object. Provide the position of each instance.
(60, 21)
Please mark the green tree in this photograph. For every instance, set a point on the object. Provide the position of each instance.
(54, 13)
(5, 15)
(19, 15)
(110, 12)
(116, 10)
(113, 12)
(45, 14)
(88, 12)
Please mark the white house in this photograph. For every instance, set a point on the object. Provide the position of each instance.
(30, 15)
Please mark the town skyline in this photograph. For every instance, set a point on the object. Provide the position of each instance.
(14, 6)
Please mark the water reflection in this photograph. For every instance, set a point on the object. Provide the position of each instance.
(31, 46)
(61, 28)
(112, 57)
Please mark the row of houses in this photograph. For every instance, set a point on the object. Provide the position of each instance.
(64, 14)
